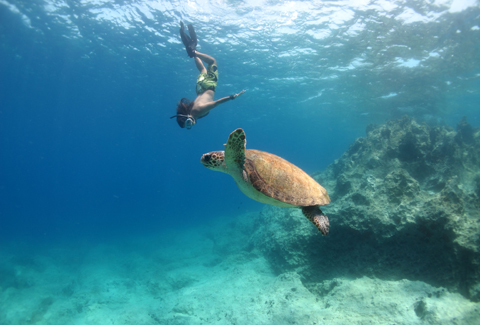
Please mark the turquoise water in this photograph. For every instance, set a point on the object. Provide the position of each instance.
(91, 161)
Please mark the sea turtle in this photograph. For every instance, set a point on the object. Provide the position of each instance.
(270, 179)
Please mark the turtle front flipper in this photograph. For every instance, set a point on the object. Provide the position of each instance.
(235, 151)
(316, 216)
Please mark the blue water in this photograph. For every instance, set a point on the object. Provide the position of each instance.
(87, 89)
(87, 149)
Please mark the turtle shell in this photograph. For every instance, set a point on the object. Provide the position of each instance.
(277, 178)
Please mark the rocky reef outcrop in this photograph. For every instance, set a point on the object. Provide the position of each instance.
(405, 205)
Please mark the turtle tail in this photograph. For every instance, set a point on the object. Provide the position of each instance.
(316, 216)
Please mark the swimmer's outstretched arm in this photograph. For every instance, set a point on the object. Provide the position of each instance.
(236, 95)
(217, 102)
(226, 99)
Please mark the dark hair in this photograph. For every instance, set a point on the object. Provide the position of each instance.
(184, 107)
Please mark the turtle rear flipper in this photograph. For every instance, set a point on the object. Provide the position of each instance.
(316, 216)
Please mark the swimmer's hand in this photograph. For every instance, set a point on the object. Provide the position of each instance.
(236, 95)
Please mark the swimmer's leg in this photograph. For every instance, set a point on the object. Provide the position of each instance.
(206, 58)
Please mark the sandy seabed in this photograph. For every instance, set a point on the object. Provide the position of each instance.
(187, 277)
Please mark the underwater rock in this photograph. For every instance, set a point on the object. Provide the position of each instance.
(405, 205)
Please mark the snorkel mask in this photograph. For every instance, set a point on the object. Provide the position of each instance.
(189, 122)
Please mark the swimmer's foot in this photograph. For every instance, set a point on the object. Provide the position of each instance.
(190, 42)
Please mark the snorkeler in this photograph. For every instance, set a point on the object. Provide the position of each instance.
(188, 112)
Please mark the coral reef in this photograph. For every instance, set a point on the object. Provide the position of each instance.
(405, 205)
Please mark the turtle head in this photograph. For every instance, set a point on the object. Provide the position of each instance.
(214, 160)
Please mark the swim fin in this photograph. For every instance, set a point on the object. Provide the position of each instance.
(190, 42)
